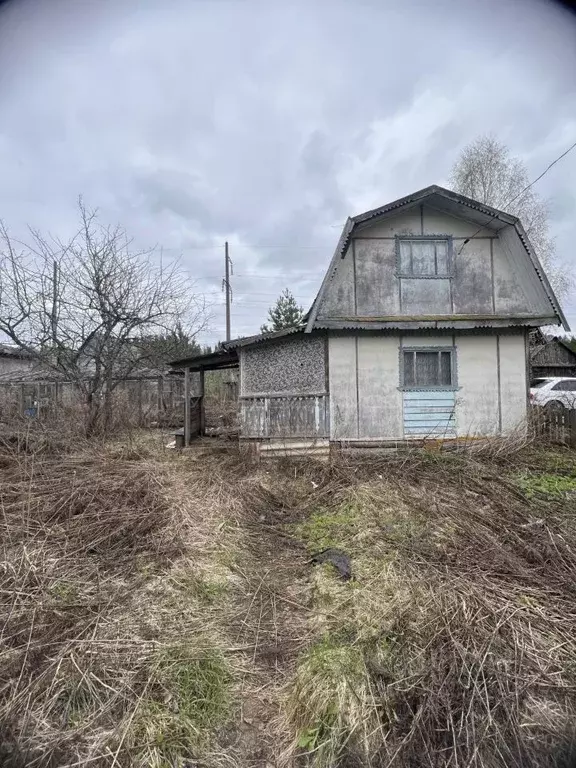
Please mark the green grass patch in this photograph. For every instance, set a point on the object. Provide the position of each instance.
(188, 699)
(546, 485)
(331, 704)
(329, 527)
(64, 591)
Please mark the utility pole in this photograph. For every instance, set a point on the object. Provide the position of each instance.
(228, 269)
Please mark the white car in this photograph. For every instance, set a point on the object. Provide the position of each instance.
(554, 393)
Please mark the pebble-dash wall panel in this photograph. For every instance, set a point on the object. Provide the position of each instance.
(295, 365)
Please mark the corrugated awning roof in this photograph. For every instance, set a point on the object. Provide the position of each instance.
(209, 362)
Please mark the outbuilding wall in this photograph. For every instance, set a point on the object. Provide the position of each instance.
(290, 366)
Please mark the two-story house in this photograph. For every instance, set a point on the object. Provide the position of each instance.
(419, 330)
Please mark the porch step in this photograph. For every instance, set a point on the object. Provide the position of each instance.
(278, 448)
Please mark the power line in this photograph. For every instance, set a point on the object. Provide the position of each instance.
(246, 247)
(526, 188)
(279, 276)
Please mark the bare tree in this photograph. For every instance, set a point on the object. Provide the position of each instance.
(485, 171)
(77, 307)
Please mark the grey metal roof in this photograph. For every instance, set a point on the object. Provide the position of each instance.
(479, 213)
(417, 322)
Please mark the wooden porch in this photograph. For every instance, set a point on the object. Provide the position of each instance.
(288, 416)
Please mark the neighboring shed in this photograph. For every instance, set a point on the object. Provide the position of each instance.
(553, 357)
(14, 359)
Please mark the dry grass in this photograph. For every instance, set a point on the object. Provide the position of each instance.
(159, 609)
(107, 656)
(457, 637)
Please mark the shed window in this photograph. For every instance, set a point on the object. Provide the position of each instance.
(428, 369)
(422, 257)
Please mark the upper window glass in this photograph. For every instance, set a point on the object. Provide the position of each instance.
(423, 257)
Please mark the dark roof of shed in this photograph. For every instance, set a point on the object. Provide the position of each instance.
(554, 340)
(246, 341)
(208, 362)
(227, 357)
(9, 350)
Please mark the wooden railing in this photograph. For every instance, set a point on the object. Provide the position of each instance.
(287, 416)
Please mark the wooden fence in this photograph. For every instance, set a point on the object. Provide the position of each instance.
(556, 426)
(285, 416)
(135, 401)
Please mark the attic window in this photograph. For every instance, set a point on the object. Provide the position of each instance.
(424, 256)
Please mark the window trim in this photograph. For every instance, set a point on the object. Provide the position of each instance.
(453, 387)
(449, 274)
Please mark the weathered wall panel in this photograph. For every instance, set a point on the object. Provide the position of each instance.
(343, 387)
(439, 223)
(339, 297)
(366, 402)
(472, 283)
(380, 402)
(517, 288)
(366, 285)
(477, 399)
(436, 340)
(291, 366)
(425, 297)
(407, 223)
(513, 386)
(376, 283)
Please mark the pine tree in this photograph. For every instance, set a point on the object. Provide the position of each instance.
(284, 314)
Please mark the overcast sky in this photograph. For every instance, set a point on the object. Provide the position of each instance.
(267, 123)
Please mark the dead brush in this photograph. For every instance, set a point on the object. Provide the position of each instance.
(79, 535)
(456, 641)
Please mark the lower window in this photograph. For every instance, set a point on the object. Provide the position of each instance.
(428, 368)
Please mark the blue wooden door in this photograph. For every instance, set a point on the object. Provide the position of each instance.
(429, 414)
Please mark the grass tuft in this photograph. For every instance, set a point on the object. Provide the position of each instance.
(188, 698)
(332, 704)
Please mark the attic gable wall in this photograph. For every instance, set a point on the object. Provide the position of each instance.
(492, 273)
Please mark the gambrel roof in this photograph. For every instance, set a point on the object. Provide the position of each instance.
(478, 214)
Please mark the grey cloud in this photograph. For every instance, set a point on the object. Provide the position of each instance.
(267, 123)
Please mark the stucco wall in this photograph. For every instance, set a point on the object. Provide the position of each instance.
(491, 273)
(295, 365)
(366, 403)
(477, 399)
(513, 381)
